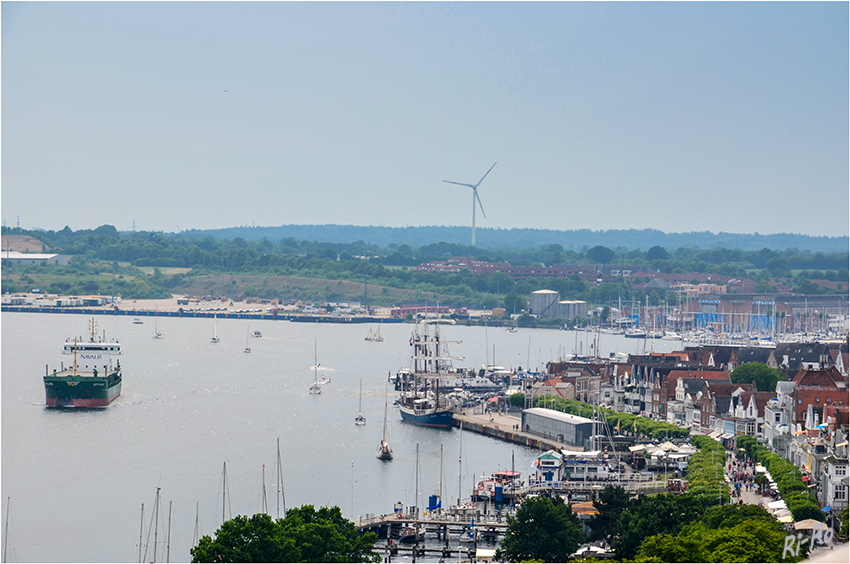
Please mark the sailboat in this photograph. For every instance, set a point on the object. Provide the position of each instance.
(376, 337)
(360, 420)
(247, 335)
(316, 388)
(430, 362)
(384, 451)
(156, 333)
(215, 338)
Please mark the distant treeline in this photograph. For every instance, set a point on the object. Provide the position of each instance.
(196, 250)
(205, 256)
(488, 238)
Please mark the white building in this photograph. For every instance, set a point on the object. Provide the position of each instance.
(14, 257)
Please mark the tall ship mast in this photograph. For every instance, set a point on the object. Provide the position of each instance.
(430, 361)
(91, 380)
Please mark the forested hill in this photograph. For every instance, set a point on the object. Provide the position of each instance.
(525, 238)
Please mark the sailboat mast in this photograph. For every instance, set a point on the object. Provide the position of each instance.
(6, 533)
(141, 529)
(156, 523)
(265, 500)
(168, 541)
(460, 463)
(441, 474)
(282, 496)
(416, 496)
(197, 520)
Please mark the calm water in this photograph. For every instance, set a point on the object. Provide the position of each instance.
(78, 478)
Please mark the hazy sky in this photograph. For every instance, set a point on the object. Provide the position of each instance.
(675, 116)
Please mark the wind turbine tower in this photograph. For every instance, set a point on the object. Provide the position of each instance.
(474, 197)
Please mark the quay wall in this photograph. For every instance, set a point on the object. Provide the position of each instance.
(206, 314)
(500, 428)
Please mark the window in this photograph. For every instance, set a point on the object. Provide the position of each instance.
(817, 400)
(776, 417)
(840, 492)
(799, 401)
(840, 470)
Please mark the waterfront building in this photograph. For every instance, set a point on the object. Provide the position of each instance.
(555, 425)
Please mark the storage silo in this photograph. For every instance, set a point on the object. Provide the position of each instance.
(543, 303)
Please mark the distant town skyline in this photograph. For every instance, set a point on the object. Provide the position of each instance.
(720, 117)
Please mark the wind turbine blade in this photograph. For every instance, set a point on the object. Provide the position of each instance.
(480, 205)
(460, 184)
(485, 176)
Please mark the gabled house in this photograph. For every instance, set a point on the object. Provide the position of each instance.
(555, 387)
(839, 358)
(747, 410)
(793, 357)
(716, 397)
(816, 388)
(778, 418)
(664, 390)
(762, 355)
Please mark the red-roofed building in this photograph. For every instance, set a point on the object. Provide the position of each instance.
(816, 388)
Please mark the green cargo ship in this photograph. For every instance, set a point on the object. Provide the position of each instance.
(92, 380)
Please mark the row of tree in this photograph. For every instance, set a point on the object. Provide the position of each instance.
(789, 480)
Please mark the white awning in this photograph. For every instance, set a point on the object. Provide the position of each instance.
(636, 448)
(714, 434)
(779, 504)
(727, 436)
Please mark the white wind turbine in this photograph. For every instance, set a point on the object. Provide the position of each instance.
(474, 197)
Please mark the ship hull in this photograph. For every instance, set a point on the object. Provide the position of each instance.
(81, 391)
(442, 419)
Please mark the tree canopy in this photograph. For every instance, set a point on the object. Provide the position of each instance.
(544, 529)
(764, 376)
(729, 533)
(662, 514)
(304, 535)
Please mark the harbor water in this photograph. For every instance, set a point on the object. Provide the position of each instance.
(77, 478)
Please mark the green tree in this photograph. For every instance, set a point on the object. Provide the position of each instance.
(544, 529)
(601, 254)
(747, 541)
(657, 253)
(611, 503)
(304, 535)
(514, 303)
(653, 515)
(764, 376)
